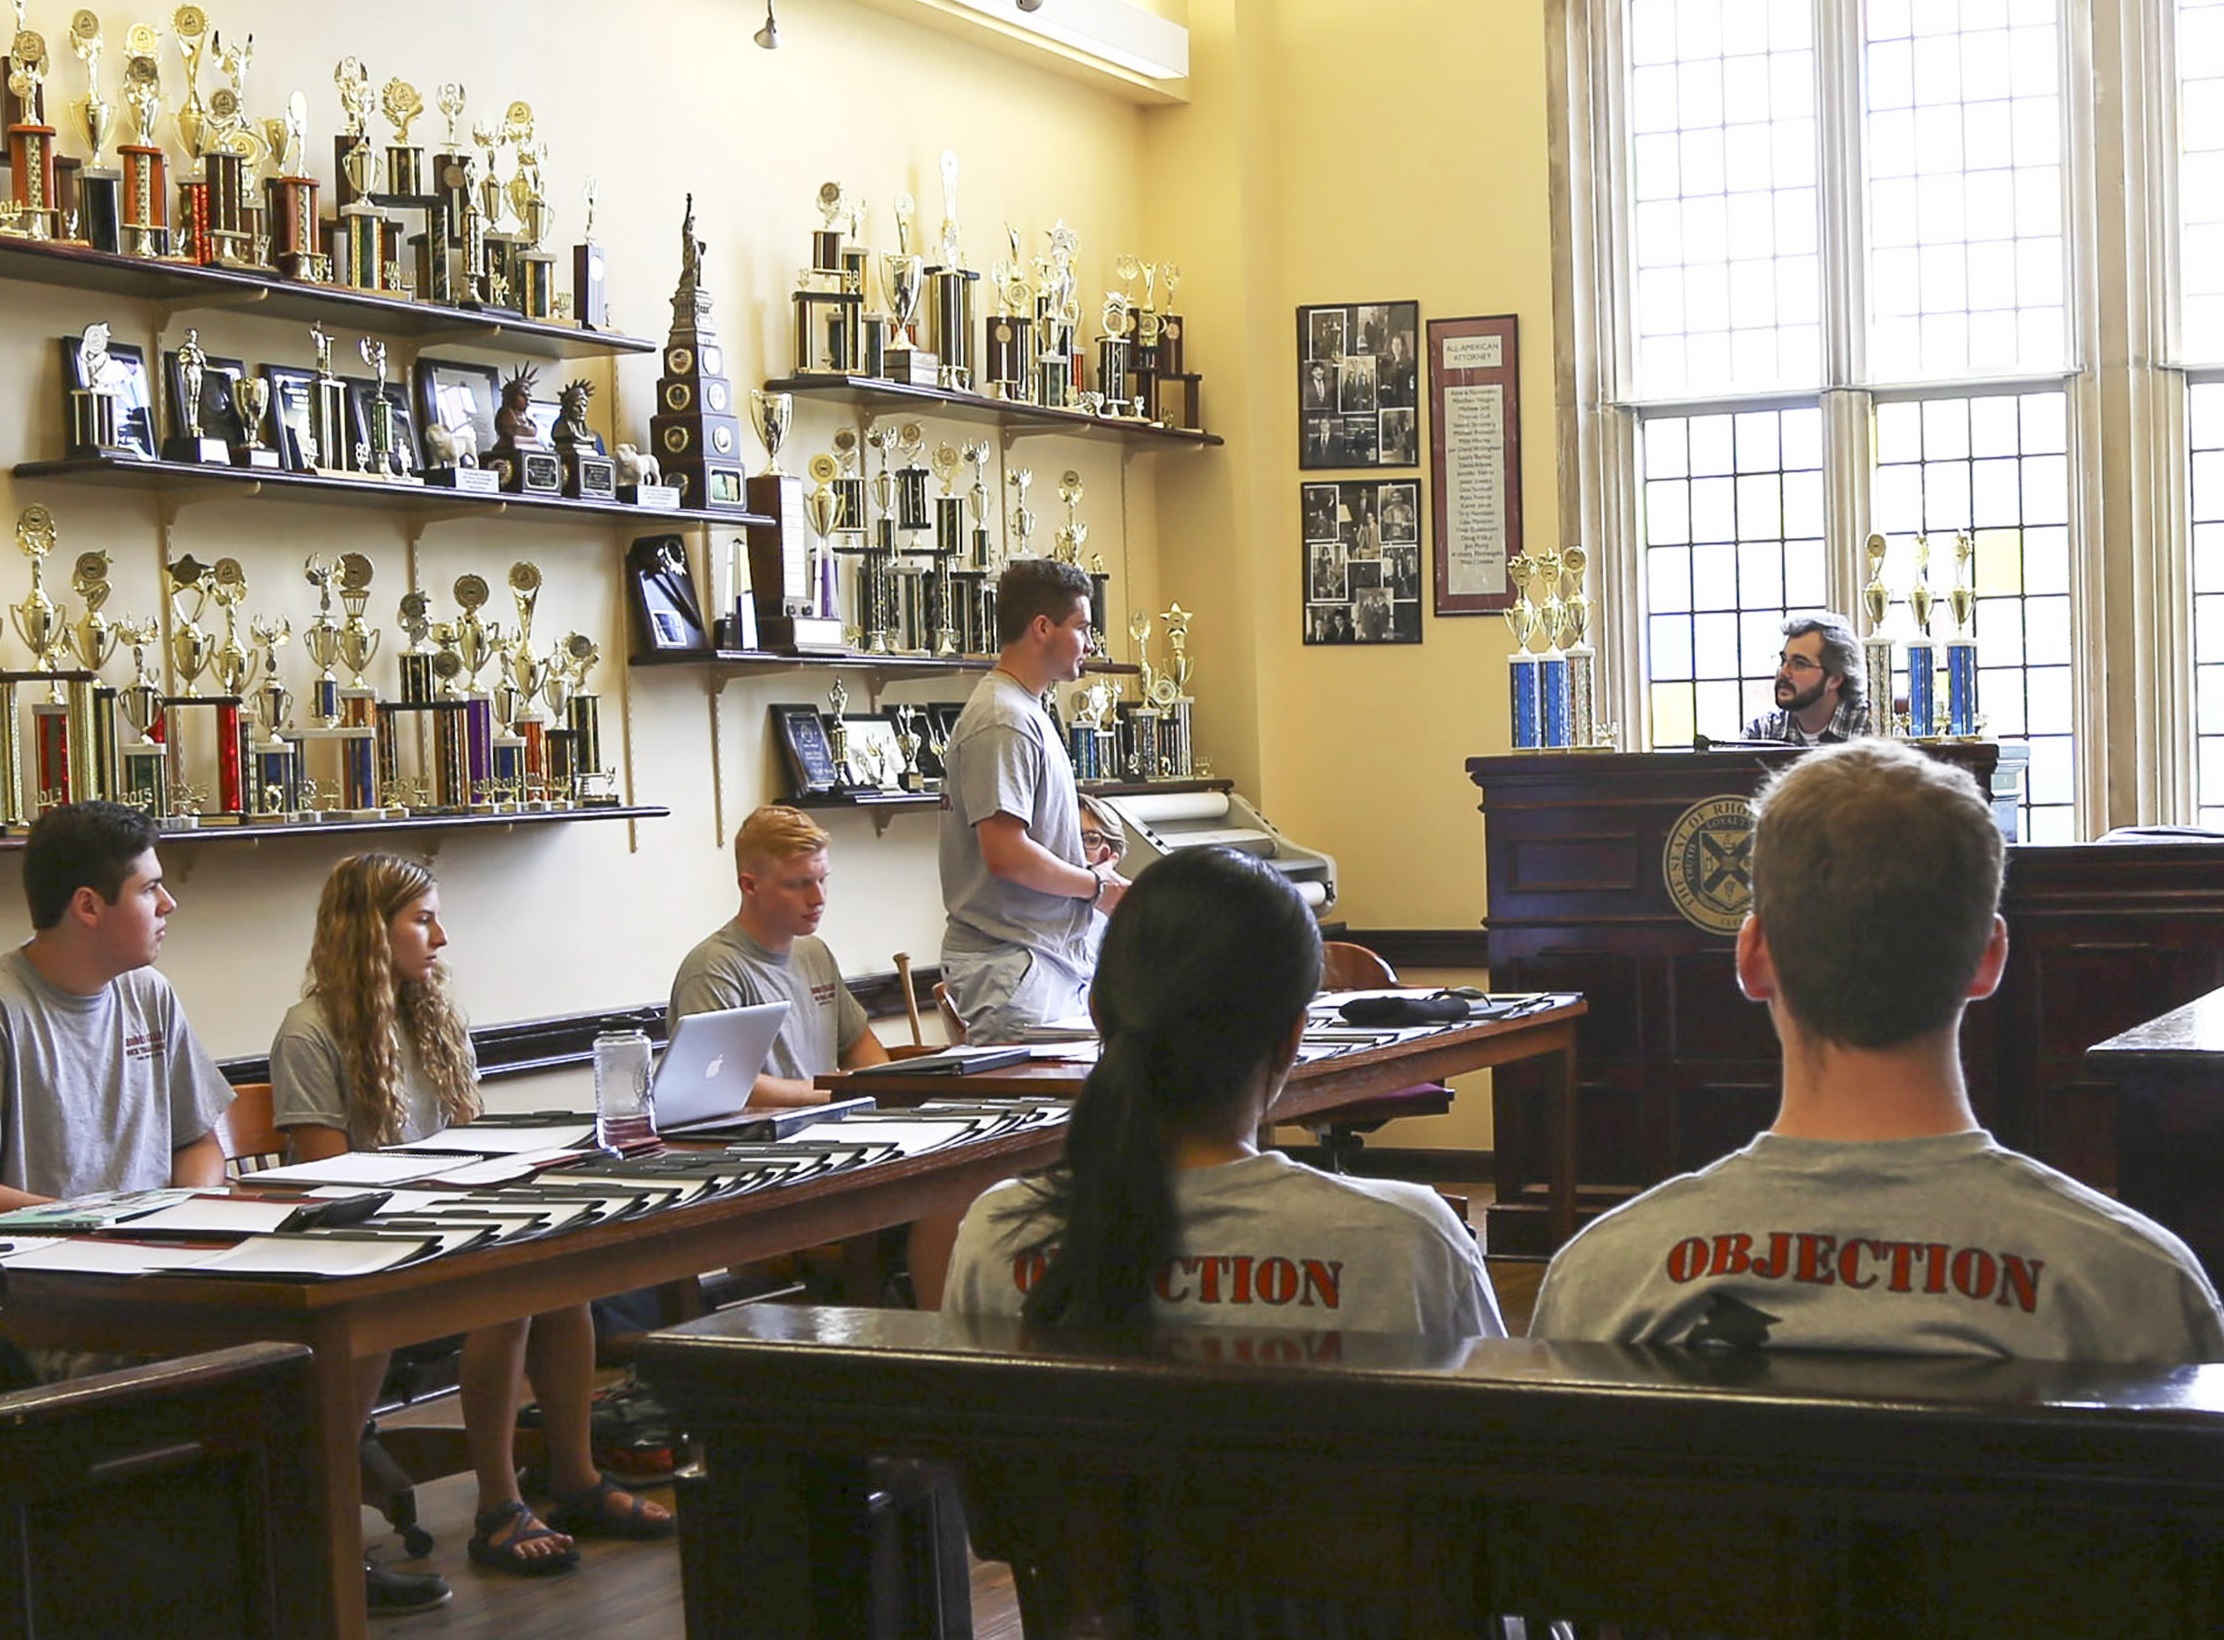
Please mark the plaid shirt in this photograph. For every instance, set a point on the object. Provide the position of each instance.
(1848, 722)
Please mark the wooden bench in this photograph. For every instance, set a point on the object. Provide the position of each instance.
(161, 1500)
(1433, 1485)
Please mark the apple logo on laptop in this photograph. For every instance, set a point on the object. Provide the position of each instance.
(711, 1070)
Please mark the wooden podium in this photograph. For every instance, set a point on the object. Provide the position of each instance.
(1677, 1069)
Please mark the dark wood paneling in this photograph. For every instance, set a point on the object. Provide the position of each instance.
(1678, 1068)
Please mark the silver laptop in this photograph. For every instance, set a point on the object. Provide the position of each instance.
(711, 1063)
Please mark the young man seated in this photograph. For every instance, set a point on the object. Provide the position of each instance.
(771, 952)
(1875, 1214)
(103, 1085)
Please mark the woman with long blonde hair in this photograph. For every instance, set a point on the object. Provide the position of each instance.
(377, 1053)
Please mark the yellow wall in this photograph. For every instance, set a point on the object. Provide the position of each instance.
(1401, 157)
(1321, 159)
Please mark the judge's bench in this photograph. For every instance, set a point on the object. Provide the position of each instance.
(1624, 876)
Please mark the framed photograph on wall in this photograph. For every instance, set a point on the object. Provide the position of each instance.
(290, 389)
(1361, 564)
(1358, 385)
(667, 617)
(1474, 460)
(801, 733)
(452, 396)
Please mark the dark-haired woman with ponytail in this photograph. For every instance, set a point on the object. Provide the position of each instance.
(1163, 1205)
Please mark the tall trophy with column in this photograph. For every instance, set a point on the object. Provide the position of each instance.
(1552, 665)
(1585, 731)
(1922, 653)
(1961, 649)
(1876, 648)
(30, 139)
(1521, 665)
(99, 189)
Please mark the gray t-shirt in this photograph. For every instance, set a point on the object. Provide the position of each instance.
(101, 1090)
(308, 1084)
(1004, 758)
(1942, 1246)
(1266, 1242)
(731, 970)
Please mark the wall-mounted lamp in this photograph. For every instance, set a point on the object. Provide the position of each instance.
(769, 35)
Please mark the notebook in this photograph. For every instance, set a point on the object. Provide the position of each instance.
(711, 1064)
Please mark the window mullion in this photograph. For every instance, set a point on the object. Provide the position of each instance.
(1838, 105)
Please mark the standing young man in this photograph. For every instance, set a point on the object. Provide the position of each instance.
(1875, 1214)
(771, 952)
(1017, 949)
(103, 1085)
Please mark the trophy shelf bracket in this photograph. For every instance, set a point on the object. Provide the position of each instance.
(166, 313)
(883, 809)
(196, 835)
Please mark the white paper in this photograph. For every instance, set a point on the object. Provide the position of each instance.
(474, 1173)
(15, 1247)
(216, 1216)
(1070, 1053)
(358, 1167)
(475, 1140)
(909, 1138)
(100, 1256)
(1475, 490)
(297, 1257)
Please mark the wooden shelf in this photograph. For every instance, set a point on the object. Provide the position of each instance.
(872, 393)
(208, 482)
(890, 667)
(352, 828)
(882, 804)
(185, 284)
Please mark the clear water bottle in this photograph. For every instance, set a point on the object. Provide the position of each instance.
(622, 1113)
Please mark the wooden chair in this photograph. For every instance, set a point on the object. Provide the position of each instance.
(249, 1139)
(1339, 1130)
(952, 1024)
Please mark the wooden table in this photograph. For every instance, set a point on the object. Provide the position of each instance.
(2169, 1076)
(342, 1320)
(1548, 1033)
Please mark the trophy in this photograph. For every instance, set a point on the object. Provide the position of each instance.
(1071, 539)
(326, 448)
(1057, 318)
(1876, 648)
(979, 499)
(588, 473)
(93, 703)
(590, 293)
(477, 642)
(829, 306)
(229, 660)
(1961, 648)
(321, 638)
(358, 641)
(837, 736)
(1175, 703)
(144, 777)
(695, 431)
(251, 402)
(383, 445)
(823, 508)
(99, 189)
(94, 637)
(190, 649)
(294, 225)
(192, 442)
(783, 583)
(952, 307)
(582, 716)
(527, 465)
(1922, 654)
(229, 220)
(1023, 517)
(96, 403)
(189, 24)
(1115, 347)
(37, 211)
(271, 634)
(1584, 727)
(902, 277)
(1522, 617)
(355, 167)
(146, 181)
(39, 621)
(401, 103)
(1010, 331)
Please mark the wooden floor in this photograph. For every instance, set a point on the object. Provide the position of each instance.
(630, 1591)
